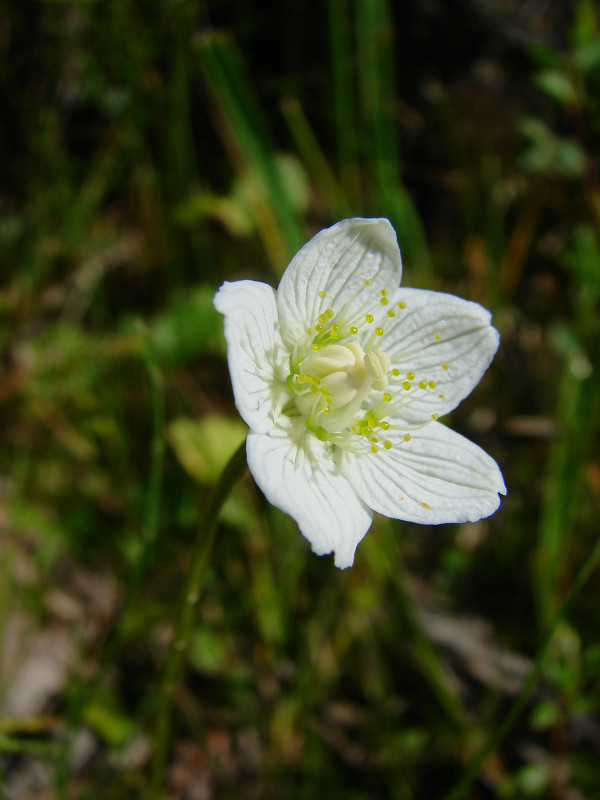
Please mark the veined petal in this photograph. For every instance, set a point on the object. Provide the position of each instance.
(438, 476)
(297, 474)
(330, 272)
(254, 349)
(448, 343)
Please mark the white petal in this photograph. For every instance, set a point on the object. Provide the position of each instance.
(438, 476)
(254, 349)
(298, 475)
(337, 261)
(443, 339)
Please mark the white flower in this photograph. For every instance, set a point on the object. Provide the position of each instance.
(341, 376)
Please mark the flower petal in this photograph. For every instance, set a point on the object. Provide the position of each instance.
(438, 476)
(447, 342)
(254, 350)
(337, 262)
(296, 473)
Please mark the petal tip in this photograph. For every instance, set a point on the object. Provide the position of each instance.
(343, 560)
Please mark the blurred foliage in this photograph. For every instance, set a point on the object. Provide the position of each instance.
(153, 150)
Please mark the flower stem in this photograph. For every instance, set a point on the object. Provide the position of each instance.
(185, 615)
(462, 787)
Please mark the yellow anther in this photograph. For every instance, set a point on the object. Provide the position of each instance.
(442, 396)
(309, 331)
(432, 384)
(437, 336)
(374, 439)
(354, 330)
(378, 331)
(368, 282)
(387, 444)
(384, 425)
(407, 437)
(322, 318)
(372, 423)
(322, 294)
(315, 347)
(319, 327)
(374, 448)
(329, 313)
(422, 384)
(335, 328)
(384, 301)
(369, 317)
(406, 385)
(326, 410)
(401, 304)
(391, 312)
(387, 397)
(313, 388)
(410, 376)
(396, 371)
(426, 506)
(384, 292)
(445, 366)
(435, 416)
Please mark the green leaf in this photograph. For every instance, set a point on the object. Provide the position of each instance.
(548, 154)
(533, 779)
(587, 57)
(186, 328)
(204, 446)
(558, 85)
(582, 257)
(208, 651)
(545, 715)
(584, 29)
(112, 725)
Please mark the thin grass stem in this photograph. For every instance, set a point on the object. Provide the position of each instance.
(473, 770)
(199, 558)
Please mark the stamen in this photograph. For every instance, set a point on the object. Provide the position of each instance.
(377, 364)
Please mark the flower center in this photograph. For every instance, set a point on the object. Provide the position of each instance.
(333, 382)
(345, 393)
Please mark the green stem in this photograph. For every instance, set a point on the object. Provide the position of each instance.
(463, 786)
(185, 616)
(155, 481)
